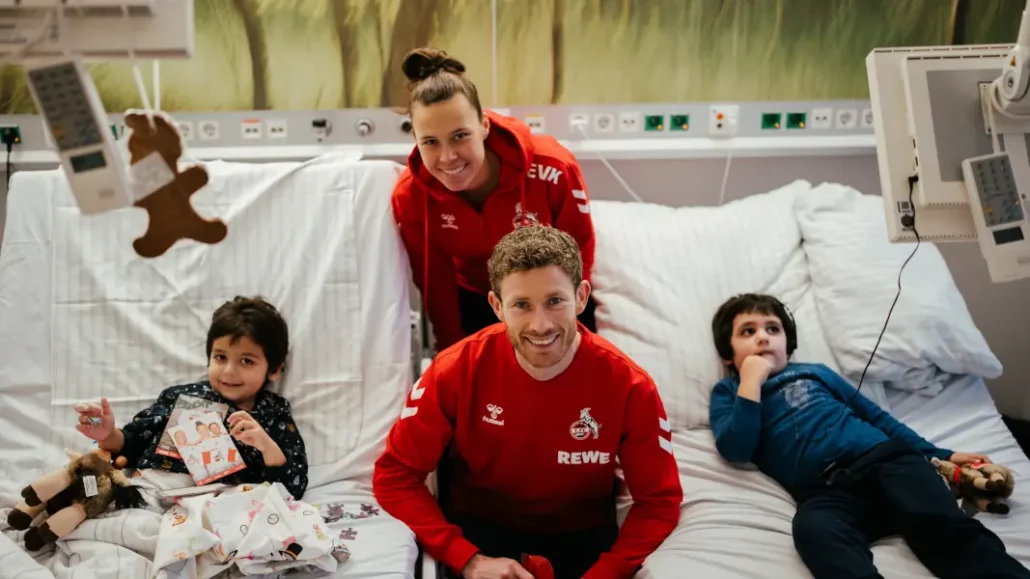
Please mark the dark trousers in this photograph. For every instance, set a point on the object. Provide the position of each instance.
(570, 554)
(893, 489)
(477, 314)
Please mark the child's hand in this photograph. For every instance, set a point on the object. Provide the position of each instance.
(963, 458)
(245, 429)
(755, 369)
(96, 422)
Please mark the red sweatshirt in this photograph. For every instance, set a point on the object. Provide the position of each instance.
(533, 455)
(449, 242)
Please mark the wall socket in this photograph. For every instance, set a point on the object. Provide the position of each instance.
(723, 120)
(631, 122)
(536, 124)
(276, 128)
(251, 129)
(821, 119)
(208, 130)
(186, 130)
(578, 121)
(867, 119)
(604, 122)
(847, 118)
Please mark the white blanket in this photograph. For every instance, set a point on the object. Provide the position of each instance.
(117, 545)
(246, 530)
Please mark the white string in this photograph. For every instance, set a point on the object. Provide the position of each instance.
(725, 176)
(155, 77)
(615, 173)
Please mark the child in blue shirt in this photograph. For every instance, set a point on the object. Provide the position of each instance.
(857, 474)
(247, 345)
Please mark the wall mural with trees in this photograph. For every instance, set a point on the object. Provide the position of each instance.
(329, 54)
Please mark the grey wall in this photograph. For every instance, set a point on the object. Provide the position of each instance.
(1001, 311)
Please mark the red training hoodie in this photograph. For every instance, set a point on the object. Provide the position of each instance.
(533, 455)
(449, 242)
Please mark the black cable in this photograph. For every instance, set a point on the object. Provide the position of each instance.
(909, 222)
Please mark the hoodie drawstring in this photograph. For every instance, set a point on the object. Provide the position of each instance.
(522, 196)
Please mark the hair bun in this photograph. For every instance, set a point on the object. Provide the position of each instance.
(422, 63)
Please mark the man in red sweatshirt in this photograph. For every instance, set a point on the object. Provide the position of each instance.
(535, 411)
(472, 177)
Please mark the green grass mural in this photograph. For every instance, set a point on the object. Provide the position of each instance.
(327, 54)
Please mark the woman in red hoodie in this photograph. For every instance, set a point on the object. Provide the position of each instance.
(474, 176)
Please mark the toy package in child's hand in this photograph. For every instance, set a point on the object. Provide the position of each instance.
(206, 448)
(191, 405)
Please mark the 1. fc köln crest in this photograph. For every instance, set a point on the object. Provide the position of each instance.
(530, 217)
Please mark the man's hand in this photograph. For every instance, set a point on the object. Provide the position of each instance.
(482, 567)
(755, 369)
(961, 458)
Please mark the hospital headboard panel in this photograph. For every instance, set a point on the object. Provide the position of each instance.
(316, 238)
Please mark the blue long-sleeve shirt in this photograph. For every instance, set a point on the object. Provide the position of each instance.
(802, 425)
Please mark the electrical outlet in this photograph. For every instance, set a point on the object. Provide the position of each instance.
(630, 122)
(577, 122)
(679, 122)
(867, 119)
(821, 118)
(186, 130)
(276, 128)
(723, 120)
(208, 130)
(604, 123)
(251, 128)
(536, 124)
(847, 118)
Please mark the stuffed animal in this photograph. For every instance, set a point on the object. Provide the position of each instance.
(169, 209)
(982, 484)
(83, 488)
(539, 567)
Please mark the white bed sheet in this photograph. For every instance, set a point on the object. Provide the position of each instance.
(737, 523)
(46, 240)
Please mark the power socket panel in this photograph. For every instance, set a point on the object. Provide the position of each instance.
(631, 122)
(820, 119)
(604, 123)
(578, 121)
(723, 120)
(251, 129)
(847, 118)
(276, 128)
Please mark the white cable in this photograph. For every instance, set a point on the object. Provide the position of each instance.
(615, 173)
(494, 100)
(725, 176)
(155, 77)
(20, 51)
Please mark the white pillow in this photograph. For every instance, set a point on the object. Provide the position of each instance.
(661, 273)
(854, 270)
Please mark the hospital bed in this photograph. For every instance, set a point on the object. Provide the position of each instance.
(82, 317)
(660, 274)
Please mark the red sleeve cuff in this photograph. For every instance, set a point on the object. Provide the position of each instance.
(458, 553)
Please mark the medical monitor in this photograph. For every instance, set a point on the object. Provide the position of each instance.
(97, 29)
(931, 115)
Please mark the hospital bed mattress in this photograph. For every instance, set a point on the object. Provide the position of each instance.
(48, 246)
(737, 523)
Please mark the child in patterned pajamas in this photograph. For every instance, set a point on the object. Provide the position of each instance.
(246, 350)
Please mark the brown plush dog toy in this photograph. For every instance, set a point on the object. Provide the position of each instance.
(982, 484)
(169, 209)
(82, 489)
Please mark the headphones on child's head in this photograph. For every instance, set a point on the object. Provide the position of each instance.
(789, 327)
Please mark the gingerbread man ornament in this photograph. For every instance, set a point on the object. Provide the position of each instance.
(170, 213)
